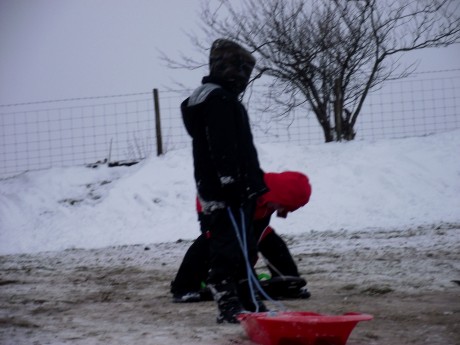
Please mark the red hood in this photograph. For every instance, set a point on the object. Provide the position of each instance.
(288, 191)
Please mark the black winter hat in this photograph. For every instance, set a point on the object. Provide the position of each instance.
(231, 63)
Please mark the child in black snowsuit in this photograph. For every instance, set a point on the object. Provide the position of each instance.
(288, 191)
(226, 169)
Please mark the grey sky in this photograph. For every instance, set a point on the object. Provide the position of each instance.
(54, 49)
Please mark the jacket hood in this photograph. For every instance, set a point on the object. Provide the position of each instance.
(288, 191)
(190, 106)
(187, 117)
(231, 63)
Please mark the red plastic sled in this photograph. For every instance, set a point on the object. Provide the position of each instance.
(300, 328)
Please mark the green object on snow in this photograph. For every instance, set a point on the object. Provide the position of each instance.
(263, 276)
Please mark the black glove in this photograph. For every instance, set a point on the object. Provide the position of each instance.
(233, 194)
(208, 222)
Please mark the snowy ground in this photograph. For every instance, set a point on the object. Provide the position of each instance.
(88, 254)
(119, 295)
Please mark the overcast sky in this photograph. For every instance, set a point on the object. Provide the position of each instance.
(57, 49)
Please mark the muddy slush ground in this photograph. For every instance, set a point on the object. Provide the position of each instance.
(120, 295)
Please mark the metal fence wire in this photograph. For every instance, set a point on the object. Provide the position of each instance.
(121, 128)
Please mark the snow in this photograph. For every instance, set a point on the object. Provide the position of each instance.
(95, 249)
(361, 185)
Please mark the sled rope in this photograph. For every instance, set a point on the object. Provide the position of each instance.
(253, 282)
(269, 264)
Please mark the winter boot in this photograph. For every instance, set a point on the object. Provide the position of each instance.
(228, 303)
(282, 287)
(303, 293)
(187, 297)
(206, 294)
(181, 295)
(249, 302)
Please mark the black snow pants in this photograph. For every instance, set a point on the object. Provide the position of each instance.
(195, 267)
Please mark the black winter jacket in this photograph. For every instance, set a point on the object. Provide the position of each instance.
(223, 150)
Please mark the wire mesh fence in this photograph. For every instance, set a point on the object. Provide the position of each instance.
(423, 104)
(415, 106)
(73, 132)
(121, 128)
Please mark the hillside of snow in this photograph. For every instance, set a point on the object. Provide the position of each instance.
(391, 184)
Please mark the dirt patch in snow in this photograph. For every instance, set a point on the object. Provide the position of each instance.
(120, 295)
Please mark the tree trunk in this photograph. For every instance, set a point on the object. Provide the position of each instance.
(338, 107)
(321, 115)
(348, 127)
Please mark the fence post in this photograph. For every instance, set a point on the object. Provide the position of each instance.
(156, 103)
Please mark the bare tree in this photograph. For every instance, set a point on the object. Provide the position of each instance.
(329, 54)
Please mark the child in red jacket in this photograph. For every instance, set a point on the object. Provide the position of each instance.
(288, 191)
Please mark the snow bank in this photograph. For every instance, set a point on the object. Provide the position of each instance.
(356, 185)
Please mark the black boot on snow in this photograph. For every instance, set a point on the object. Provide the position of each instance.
(187, 297)
(228, 303)
(286, 287)
(247, 300)
(181, 295)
